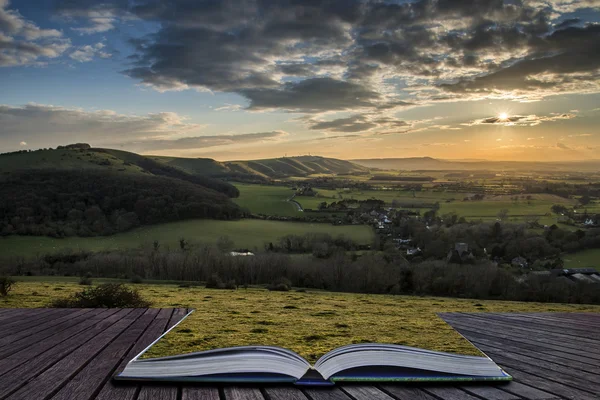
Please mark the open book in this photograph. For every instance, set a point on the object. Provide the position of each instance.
(355, 362)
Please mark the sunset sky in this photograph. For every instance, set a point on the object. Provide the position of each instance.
(453, 79)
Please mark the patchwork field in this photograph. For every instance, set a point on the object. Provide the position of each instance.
(310, 323)
(266, 199)
(246, 233)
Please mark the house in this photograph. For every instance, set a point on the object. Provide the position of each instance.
(588, 275)
(242, 254)
(460, 254)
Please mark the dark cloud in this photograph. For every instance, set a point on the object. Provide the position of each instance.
(260, 48)
(313, 95)
(358, 123)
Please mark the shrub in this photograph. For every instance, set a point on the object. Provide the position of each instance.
(215, 282)
(280, 285)
(136, 279)
(6, 285)
(108, 295)
(86, 279)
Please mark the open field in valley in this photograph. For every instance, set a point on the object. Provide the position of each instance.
(246, 233)
(267, 199)
(310, 323)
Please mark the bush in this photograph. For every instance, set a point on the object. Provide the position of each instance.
(6, 285)
(280, 285)
(86, 280)
(108, 295)
(215, 282)
(136, 279)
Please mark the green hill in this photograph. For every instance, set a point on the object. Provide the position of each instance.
(276, 168)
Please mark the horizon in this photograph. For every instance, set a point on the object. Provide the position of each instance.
(246, 79)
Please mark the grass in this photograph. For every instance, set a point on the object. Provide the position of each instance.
(246, 233)
(583, 259)
(310, 323)
(267, 199)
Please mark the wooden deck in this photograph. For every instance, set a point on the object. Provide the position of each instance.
(72, 354)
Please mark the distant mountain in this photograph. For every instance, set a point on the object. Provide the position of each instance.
(433, 164)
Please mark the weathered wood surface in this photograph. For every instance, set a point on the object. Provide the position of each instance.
(73, 354)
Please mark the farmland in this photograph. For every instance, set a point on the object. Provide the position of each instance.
(583, 259)
(247, 233)
(310, 323)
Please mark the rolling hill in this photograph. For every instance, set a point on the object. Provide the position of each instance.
(273, 168)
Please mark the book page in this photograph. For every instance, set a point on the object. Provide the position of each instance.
(312, 323)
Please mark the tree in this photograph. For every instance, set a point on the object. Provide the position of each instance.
(584, 200)
(559, 209)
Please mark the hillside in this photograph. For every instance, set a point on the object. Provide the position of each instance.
(433, 164)
(296, 166)
(88, 192)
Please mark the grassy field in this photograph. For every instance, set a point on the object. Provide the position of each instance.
(247, 233)
(583, 259)
(266, 199)
(309, 323)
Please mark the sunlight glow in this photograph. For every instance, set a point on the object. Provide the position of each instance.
(503, 116)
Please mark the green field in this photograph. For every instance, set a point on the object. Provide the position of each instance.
(246, 233)
(267, 199)
(310, 323)
(583, 259)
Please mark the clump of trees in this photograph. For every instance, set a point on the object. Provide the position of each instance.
(91, 203)
(108, 295)
(6, 285)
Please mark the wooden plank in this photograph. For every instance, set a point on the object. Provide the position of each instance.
(53, 378)
(31, 350)
(242, 393)
(364, 392)
(13, 342)
(541, 342)
(495, 353)
(93, 376)
(200, 393)
(533, 352)
(489, 392)
(545, 324)
(178, 314)
(8, 312)
(573, 321)
(28, 318)
(325, 394)
(406, 392)
(542, 371)
(157, 393)
(284, 393)
(125, 391)
(549, 386)
(528, 392)
(538, 332)
(449, 393)
(19, 376)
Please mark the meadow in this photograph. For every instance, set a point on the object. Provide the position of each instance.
(310, 323)
(583, 259)
(246, 233)
(267, 199)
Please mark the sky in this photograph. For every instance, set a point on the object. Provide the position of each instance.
(251, 79)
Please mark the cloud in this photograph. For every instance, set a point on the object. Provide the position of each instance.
(24, 43)
(88, 53)
(313, 95)
(23, 144)
(55, 125)
(199, 142)
(521, 120)
(562, 146)
(292, 55)
(368, 122)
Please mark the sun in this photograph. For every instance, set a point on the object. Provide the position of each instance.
(503, 116)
